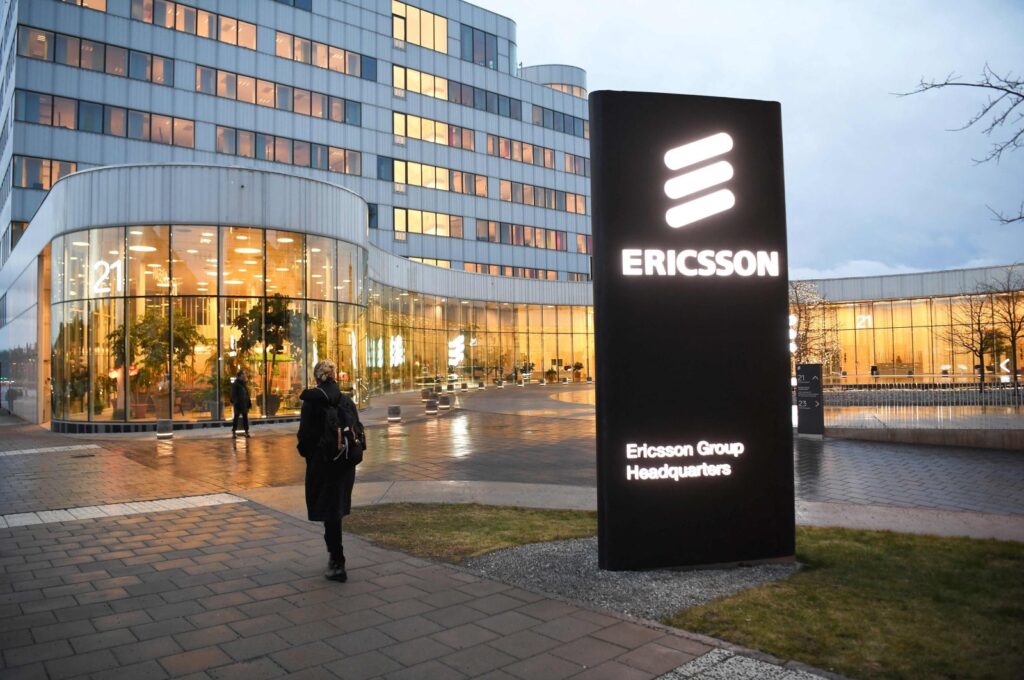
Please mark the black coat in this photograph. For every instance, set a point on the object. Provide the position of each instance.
(240, 395)
(328, 485)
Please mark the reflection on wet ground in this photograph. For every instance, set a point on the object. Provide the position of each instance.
(927, 417)
(532, 435)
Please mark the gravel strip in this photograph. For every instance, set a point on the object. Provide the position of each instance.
(569, 569)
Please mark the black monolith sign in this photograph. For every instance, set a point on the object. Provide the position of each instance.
(810, 406)
(694, 431)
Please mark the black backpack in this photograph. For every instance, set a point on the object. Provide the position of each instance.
(340, 441)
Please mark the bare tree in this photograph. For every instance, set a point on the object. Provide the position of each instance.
(999, 118)
(1007, 291)
(816, 335)
(973, 331)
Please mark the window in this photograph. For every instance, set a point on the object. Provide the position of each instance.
(162, 72)
(65, 113)
(138, 125)
(93, 55)
(186, 19)
(139, 66)
(35, 44)
(40, 173)
(227, 85)
(226, 140)
(184, 133)
(67, 50)
(303, 50)
(161, 128)
(90, 117)
(206, 79)
(284, 97)
(98, 5)
(33, 108)
(418, 27)
(115, 121)
(117, 61)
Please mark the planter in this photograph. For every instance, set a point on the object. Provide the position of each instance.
(273, 404)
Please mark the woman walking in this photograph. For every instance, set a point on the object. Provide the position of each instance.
(328, 483)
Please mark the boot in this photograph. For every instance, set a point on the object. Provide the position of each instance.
(336, 570)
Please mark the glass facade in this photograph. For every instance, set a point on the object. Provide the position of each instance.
(913, 340)
(415, 340)
(154, 321)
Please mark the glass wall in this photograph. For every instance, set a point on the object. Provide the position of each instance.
(416, 340)
(913, 340)
(155, 321)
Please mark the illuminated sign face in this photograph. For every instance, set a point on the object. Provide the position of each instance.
(694, 181)
(694, 441)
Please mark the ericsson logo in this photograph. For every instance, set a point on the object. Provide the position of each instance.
(699, 261)
(694, 181)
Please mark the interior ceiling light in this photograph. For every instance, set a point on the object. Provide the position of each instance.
(82, 244)
(285, 239)
(242, 237)
(135, 232)
(142, 249)
(247, 251)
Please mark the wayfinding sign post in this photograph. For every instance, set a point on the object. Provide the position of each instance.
(810, 406)
(694, 432)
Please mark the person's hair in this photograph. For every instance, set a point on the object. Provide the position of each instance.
(325, 370)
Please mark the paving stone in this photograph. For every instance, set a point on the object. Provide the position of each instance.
(43, 651)
(611, 670)
(474, 661)
(359, 641)
(252, 647)
(588, 651)
(303, 656)
(371, 664)
(416, 651)
(409, 628)
(543, 666)
(257, 669)
(60, 631)
(429, 669)
(655, 658)
(81, 664)
(205, 637)
(195, 660)
(566, 628)
(507, 623)
(628, 634)
(150, 670)
(524, 644)
(104, 640)
(146, 650)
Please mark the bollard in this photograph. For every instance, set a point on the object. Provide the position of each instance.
(501, 384)
(431, 409)
(565, 381)
(543, 382)
(450, 388)
(464, 388)
(394, 414)
(480, 385)
(164, 429)
(522, 382)
(590, 381)
(445, 402)
(425, 393)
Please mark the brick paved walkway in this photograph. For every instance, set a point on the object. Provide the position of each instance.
(235, 591)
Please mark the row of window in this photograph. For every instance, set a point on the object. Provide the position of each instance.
(577, 165)
(431, 176)
(417, 127)
(98, 5)
(542, 197)
(429, 85)
(40, 173)
(11, 236)
(297, 4)
(523, 152)
(561, 122)
(444, 264)
(479, 47)
(574, 90)
(94, 56)
(578, 276)
(277, 96)
(307, 51)
(179, 17)
(419, 27)
(506, 270)
(265, 147)
(520, 235)
(409, 221)
(44, 109)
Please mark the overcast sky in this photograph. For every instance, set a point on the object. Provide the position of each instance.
(875, 183)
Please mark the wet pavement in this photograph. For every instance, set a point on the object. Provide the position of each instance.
(233, 589)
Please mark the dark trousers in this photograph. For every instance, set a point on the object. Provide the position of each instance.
(332, 537)
(242, 413)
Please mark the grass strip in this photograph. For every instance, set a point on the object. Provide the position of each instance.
(453, 533)
(873, 604)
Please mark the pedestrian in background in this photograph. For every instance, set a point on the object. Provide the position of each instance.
(240, 402)
(328, 482)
